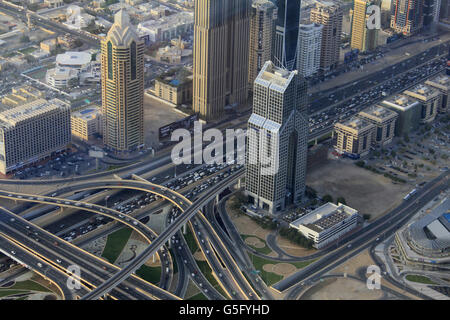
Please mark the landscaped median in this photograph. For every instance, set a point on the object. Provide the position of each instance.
(419, 279)
(272, 271)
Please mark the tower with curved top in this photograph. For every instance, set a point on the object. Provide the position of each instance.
(123, 86)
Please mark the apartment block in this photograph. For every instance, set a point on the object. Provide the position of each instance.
(310, 45)
(330, 15)
(32, 132)
(262, 27)
(87, 122)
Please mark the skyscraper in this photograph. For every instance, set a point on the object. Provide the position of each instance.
(309, 43)
(363, 38)
(407, 16)
(431, 12)
(123, 86)
(329, 14)
(286, 33)
(262, 27)
(277, 139)
(221, 44)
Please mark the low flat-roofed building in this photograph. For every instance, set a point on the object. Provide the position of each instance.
(48, 45)
(429, 97)
(87, 122)
(442, 83)
(354, 136)
(21, 95)
(425, 243)
(327, 223)
(175, 87)
(384, 121)
(408, 110)
(32, 132)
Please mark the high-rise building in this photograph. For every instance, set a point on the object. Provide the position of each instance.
(431, 12)
(407, 16)
(286, 33)
(33, 131)
(329, 14)
(123, 86)
(363, 38)
(277, 139)
(442, 83)
(262, 27)
(221, 44)
(309, 44)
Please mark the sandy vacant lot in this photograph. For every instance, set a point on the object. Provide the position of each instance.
(341, 289)
(363, 190)
(156, 115)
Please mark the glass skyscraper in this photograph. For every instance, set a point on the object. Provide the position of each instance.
(286, 33)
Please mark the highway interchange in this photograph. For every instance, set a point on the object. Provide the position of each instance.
(222, 246)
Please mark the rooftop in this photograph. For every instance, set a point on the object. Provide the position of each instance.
(401, 102)
(73, 58)
(441, 81)
(423, 91)
(89, 113)
(275, 76)
(356, 123)
(379, 112)
(325, 217)
(14, 115)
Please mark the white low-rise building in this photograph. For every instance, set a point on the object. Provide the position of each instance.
(61, 77)
(168, 27)
(327, 223)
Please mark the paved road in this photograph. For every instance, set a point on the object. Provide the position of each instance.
(389, 223)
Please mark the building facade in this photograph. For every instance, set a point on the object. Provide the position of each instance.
(407, 16)
(354, 136)
(277, 139)
(310, 46)
(363, 38)
(330, 15)
(442, 83)
(384, 121)
(220, 64)
(429, 97)
(122, 86)
(262, 30)
(285, 46)
(408, 110)
(327, 223)
(32, 132)
(86, 123)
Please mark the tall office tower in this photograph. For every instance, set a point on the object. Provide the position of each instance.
(286, 33)
(445, 11)
(407, 16)
(309, 44)
(329, 14)
(122, 86)
(363, 38)
(262, 27)
(221, 44)
(277, 139)
(431, 11)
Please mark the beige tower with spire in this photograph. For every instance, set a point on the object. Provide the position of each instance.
(123, 86)
(221, 38)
